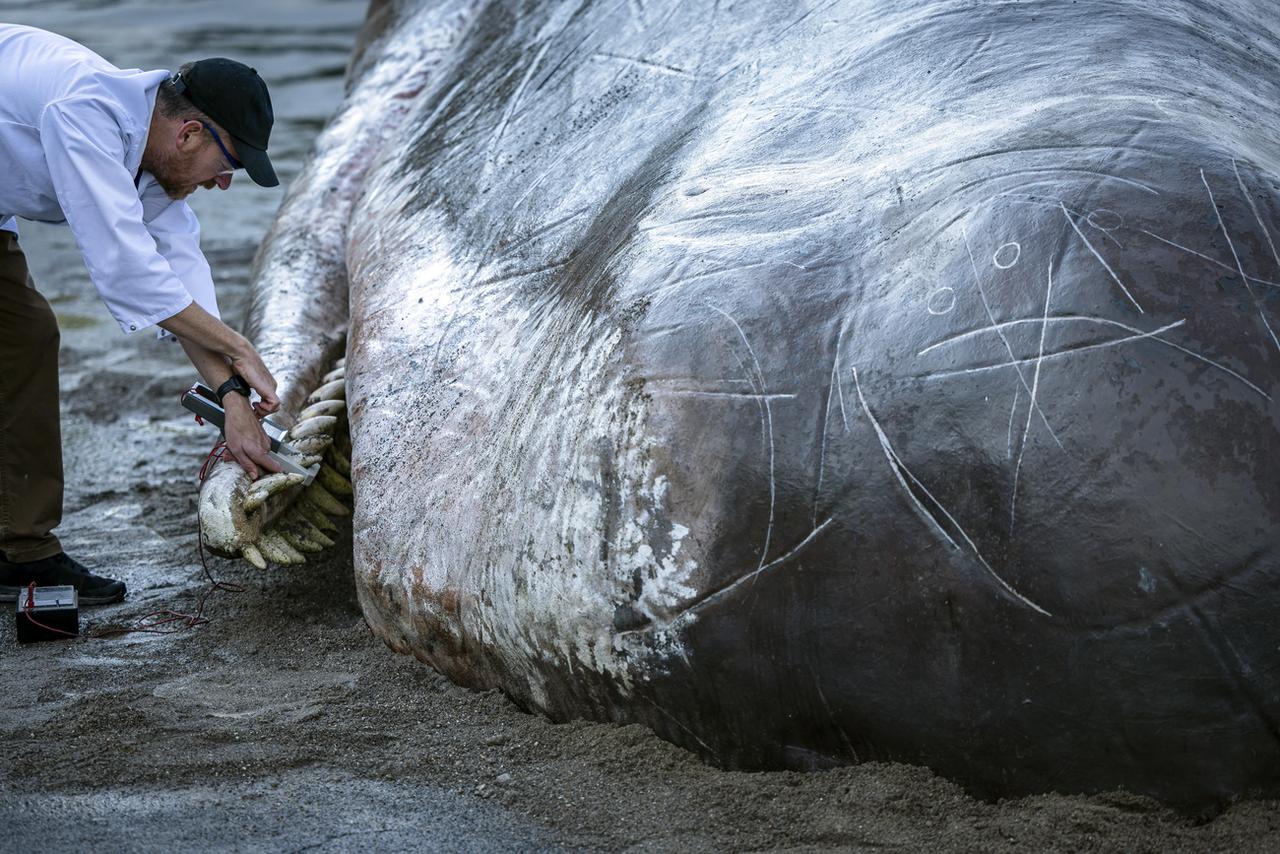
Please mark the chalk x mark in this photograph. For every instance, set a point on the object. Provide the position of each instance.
(986, 305)
(1137, 335)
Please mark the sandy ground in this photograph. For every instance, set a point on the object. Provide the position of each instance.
(283, 724)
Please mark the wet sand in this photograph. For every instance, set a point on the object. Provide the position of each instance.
(283, 724)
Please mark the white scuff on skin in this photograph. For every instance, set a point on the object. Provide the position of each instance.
(525, 550)
(567, 612)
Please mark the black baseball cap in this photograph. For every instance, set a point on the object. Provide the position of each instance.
(233, 95)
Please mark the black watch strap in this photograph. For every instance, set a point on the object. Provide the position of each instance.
(236, 383)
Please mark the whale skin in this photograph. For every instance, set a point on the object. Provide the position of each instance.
(818, 383)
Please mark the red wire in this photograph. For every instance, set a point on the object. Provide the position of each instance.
(167, 616)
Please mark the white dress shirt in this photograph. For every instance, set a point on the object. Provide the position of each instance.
(72, 131)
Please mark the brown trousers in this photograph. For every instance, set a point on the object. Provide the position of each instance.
(30, 435)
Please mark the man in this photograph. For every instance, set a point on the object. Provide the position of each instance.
(113, 153)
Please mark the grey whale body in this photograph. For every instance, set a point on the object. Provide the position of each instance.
(832, 382)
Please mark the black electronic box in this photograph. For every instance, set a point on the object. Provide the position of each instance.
(52, 614)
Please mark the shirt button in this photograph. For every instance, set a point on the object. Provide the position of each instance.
(132, 328)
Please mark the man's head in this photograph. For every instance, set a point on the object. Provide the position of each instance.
(211, 118)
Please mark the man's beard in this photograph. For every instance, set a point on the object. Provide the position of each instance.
(174, 174)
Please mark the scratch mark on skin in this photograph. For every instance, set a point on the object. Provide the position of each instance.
(1101, 260)
(1037, 201)
(767, 421)
(564, 59)
(817, 683)
(1035, 385)
(671, 718)
(637, 11)
(755, 573)
(901, 472)
(736, 394)
(515, 100)
(648, 64)
(519, 274)
(440, 107)
(977, 279)
(717, 595)
(844, 418)
(1239, 267)
(802, 18)
(1138, 334)
(1114, 342)
(1017, 391)
(704, 215)
(539, 232)
(1266, 232)
(1208, 258)
(826, 419)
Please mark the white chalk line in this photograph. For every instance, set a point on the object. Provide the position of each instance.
(1035, 385)
(1101, 260)
(1138, 333)
(1239, 267)
(899, 470)
(768, 421)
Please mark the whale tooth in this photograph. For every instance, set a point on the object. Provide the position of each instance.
(265, 487)
(338, 460)
(334, 482)
(315, 515)
(324, 407)
(297, 523)
(300, 542)
(336, 390)
(311, 445)
(323, 499)
(335, 374)
(278, 550)
(250, 553)
(315, 425)
(302, 526)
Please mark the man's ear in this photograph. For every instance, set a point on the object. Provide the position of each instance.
(189, 134)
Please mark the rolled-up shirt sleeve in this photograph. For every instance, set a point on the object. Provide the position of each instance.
(85, 155)
(176, 232)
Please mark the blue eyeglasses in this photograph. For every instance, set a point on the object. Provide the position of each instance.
(235, 164)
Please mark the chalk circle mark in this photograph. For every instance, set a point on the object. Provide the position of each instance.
(942, 300)
(1007, 255)
(1104, 219)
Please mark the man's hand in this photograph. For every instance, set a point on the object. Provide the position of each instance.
(247, 443)
(252, 370)
(211, 337)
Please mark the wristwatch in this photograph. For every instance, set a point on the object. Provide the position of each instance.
(236, 383)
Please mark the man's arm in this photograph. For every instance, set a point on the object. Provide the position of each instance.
(217, 351)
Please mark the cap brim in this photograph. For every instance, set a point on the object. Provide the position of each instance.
(257, 164)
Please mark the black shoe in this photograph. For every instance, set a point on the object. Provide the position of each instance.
(58, 570)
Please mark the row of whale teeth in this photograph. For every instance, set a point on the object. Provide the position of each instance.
(299, 516)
